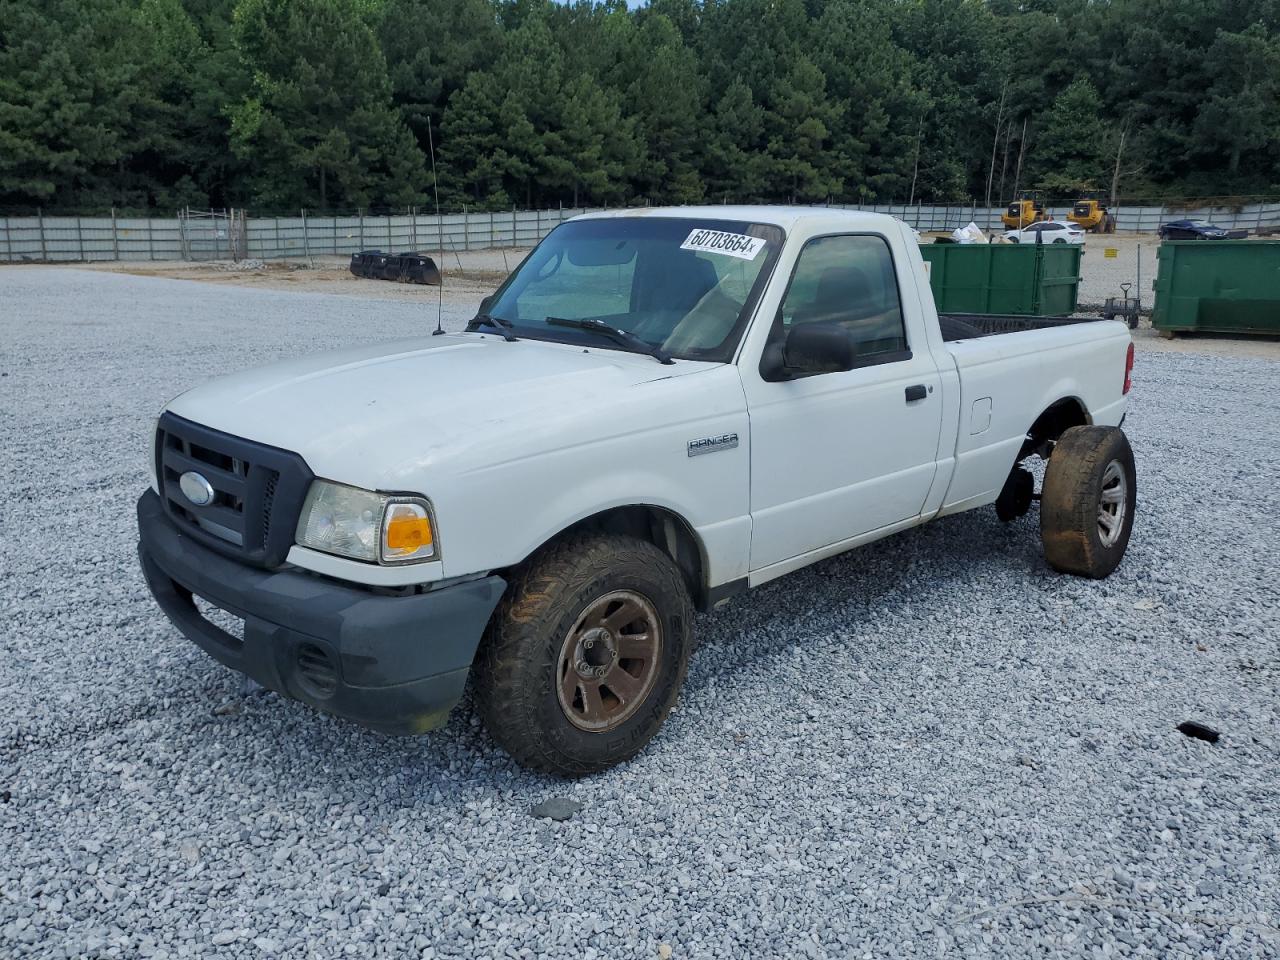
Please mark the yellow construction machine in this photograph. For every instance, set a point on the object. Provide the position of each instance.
(1090, 214)
(1023, 212)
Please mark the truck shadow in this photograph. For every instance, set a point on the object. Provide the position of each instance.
(920, 568)
(917, 567)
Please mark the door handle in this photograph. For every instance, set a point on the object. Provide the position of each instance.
(916, 392)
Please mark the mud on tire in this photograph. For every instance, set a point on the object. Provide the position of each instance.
(1088, 501)
(565, 679)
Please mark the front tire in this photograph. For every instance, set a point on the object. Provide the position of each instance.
(1088, 501)
(586, 654)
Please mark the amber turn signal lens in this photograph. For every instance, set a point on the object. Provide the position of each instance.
(407, 533)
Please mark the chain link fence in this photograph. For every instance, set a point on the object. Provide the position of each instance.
(236, 235)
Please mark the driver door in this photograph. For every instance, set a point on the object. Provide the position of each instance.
(837, 455)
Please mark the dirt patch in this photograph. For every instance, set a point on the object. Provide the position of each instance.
(470, 275)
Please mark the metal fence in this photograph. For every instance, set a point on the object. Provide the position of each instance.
(1129, 219)
(227, 235)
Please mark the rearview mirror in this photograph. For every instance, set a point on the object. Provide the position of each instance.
(594, 253)
(817, 348)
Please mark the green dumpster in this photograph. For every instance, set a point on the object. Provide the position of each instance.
(1034, 279)
(1218, 286)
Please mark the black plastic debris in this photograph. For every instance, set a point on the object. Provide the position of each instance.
(398, 267)
(386, 267)
(1198, 731)
(419, 268)
(362, 263)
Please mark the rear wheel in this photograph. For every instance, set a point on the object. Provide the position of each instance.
(586, 654)
(1088, 501)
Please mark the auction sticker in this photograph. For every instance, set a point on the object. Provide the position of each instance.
(730, 244)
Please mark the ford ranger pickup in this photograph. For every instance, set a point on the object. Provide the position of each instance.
(655, 411)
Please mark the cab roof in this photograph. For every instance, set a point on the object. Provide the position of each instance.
(782, 216)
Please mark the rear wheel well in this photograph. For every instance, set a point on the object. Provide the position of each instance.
(1049, 426)
(667, 531)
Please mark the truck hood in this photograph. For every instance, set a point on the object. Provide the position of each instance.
(377, 416)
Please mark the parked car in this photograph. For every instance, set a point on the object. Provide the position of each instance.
(655, 412)
(1047, 231)
(1198, 230)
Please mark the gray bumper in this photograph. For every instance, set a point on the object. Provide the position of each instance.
(397, 664)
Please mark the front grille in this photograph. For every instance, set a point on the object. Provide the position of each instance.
(268, 500)
(257, 490)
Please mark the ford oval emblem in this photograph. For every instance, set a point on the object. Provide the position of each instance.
(196, 488)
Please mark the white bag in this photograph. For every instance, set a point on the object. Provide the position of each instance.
(971, 233)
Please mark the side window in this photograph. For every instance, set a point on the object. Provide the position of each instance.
(847, 282)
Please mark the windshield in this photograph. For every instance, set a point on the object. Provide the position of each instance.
(683, 285)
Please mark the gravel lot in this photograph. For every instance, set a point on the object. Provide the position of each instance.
(1100, 276)
(930, 747)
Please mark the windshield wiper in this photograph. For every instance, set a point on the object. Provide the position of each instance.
(629, 340)
(504, 327)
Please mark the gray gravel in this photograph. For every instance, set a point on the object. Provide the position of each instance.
(930, 747)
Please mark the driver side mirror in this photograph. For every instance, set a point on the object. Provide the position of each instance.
(810, 348)
(486, 303)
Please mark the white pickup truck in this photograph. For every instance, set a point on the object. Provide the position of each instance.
(655, 411)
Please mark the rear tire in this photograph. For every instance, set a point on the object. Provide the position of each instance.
(1088, 501)
(562, 683)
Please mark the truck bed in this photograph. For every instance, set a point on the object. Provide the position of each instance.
(968, 326)
(1010, 370)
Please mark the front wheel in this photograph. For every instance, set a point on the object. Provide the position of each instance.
(1088, 501)
(586, 654)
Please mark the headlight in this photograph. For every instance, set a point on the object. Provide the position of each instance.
(364, 525)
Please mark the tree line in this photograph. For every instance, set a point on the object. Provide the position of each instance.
(276, 105)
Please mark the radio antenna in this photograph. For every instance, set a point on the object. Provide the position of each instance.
(435, 186)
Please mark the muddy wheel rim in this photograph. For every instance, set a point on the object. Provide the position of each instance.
(1113, 502)
(609, 661)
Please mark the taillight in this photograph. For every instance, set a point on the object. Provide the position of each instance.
(1128, 369)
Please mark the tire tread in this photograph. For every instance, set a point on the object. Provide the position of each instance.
(1068, 502)
(506, 691)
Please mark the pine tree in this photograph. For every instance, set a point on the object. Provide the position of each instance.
(801, 163)
(432, 47)
(318, 128)
(1240, 113)
(734, 164)
(1069, 155)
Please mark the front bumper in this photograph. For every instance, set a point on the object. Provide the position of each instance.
(394, 663)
